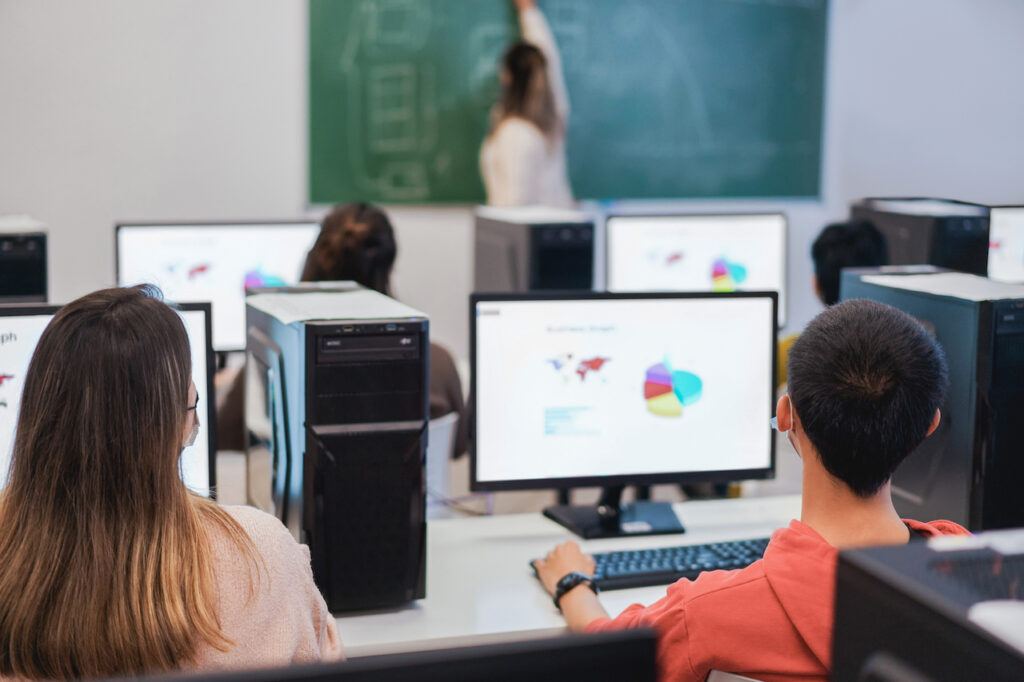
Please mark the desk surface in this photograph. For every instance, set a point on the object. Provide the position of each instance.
(480, 587)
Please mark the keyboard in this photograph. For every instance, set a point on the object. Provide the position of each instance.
(665, 565)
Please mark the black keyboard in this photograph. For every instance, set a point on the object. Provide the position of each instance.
(665, 565)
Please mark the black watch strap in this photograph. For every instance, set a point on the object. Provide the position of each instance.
(568, 582)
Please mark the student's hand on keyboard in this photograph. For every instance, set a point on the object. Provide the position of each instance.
(561, 561)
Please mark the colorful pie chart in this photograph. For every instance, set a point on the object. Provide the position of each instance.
(726, 276)
(667, 392)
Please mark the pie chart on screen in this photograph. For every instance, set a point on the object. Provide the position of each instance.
(667, 392)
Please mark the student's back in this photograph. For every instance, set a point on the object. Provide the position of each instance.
(110, 566)
(865, 385)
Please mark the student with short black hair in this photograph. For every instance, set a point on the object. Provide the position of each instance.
(866, 383)
(856, 244)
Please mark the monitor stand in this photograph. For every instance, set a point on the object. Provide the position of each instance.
(610, 518)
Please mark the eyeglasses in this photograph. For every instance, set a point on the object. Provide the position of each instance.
(190, 409)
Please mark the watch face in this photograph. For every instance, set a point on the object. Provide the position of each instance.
(570, 581)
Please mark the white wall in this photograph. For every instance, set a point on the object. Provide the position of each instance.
(196, 109)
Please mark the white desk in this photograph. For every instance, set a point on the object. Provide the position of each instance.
(480, 587)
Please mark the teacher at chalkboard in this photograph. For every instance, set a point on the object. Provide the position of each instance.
(522, 159)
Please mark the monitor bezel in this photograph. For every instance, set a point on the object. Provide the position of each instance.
(232, 224)
(783, 294)
(624, 479)
(26, 310)
(634, 649)
(211, 392)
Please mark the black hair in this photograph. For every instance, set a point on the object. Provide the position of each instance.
(865, 380)
(846, 245)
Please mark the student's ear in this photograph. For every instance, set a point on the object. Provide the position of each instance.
(935, 422)
(784, 413)
(817, 288)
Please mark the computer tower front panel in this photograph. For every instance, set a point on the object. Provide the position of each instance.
(562, 257)
(1000, 478)
(367, 409)
(368, 491)
(957, 242)
(23, 268)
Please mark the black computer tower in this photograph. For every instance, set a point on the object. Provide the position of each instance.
(949, 234)
(337, 408)
(532, 249)
(971, 470)
(23, 267)
(904, 613)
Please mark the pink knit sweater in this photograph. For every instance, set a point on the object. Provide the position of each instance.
(284, 620)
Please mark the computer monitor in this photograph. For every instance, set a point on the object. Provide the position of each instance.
(20, 330)
(736, 252)
(602, 657)
(214, 262)
(1006, 244)
(589, 389)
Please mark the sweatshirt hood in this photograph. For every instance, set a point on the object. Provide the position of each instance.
(800, 567)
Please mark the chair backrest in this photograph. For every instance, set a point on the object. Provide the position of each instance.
(440, 444)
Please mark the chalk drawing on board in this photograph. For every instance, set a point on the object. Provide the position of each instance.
(386, 120)
(392, 107)
(397, 24)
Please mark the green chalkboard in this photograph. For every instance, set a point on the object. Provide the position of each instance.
(670, 98)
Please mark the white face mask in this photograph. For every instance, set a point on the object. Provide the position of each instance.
(192, 436)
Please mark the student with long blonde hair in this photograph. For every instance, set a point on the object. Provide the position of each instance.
(109, 566)
(523, 159)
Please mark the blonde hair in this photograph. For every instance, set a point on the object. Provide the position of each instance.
(106, 564)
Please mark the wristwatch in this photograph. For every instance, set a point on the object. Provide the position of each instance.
(569, 581)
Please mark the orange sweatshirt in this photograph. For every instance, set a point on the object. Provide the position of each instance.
(771, 620)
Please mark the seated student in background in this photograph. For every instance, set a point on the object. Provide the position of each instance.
(110, 566)
(357, 242)
(840, 245)
(522, 159)
(866, 382)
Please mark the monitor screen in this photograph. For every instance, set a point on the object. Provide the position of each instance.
(214, 262)
(20, 329)
(698, 253)
(603, 389)
(1006, 244)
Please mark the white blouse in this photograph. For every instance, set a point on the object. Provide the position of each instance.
(519, 164)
